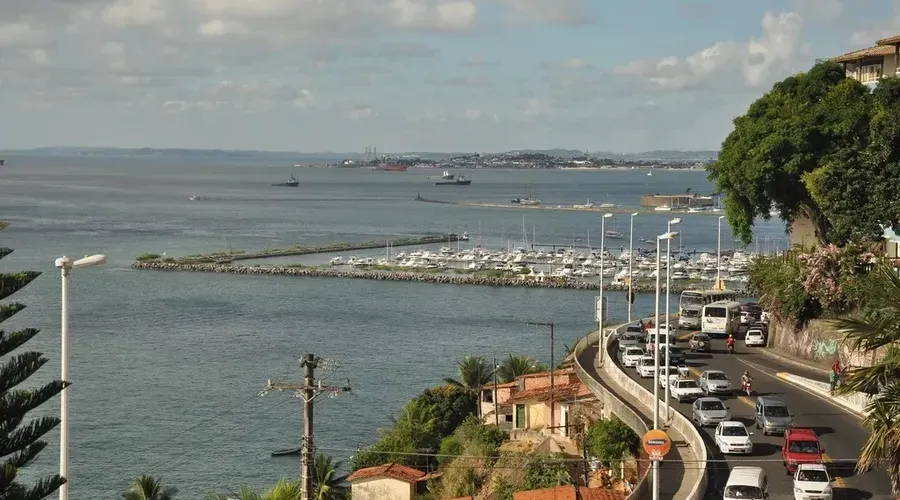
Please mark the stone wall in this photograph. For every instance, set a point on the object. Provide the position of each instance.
(819, 343)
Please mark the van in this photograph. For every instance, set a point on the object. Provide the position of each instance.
(773, 415)
(746, 483)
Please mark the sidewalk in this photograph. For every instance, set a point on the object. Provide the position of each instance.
(680, 472)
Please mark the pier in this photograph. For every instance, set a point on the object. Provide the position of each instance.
(573, 208)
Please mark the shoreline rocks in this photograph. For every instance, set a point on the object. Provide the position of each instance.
(309, 272)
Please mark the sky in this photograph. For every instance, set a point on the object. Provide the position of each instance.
(407, 75)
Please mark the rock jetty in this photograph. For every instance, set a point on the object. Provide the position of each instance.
(449, 279)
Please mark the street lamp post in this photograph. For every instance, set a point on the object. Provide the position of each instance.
(600, 317)
(672, 222)
(630, 261)
(496, 392)
(552, 369)
(65, 265)
(667, 236)
(719, 255)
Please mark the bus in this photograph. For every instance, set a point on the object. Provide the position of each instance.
(721, 318)
(692, 301)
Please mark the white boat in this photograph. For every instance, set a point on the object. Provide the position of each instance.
(663, 208)
(465, 236)
(608, 205)
(616, 235)
(649, 174)
(586, 205)
(336, 261)
(694, 210)
(447, 175)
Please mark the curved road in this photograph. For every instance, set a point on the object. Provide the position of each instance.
(840, 433)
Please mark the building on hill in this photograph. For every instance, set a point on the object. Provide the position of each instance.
(388, 482)
(870, 64)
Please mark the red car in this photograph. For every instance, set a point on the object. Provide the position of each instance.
(801, 446)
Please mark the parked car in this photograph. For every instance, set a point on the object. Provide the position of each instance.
(759, 326)
(715, 382)
(709, 411)
(684, 389)
(754, 338)
(700, 342)
(811, 482)
(800, 446)
(631, 355)
(733, 437)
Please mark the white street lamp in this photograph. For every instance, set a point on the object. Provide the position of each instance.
(630, 261)
(602, 308)
(672, 222)
(667, 236)
(65, 266)
(719, 255)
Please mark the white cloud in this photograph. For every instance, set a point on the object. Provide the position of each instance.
(218, 27)
(124, 13)
(20, 34)
(755, 62)
(576, 63)
(566, 12)
(472, 113)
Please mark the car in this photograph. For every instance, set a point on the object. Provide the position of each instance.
(634, 329)
(746, 317)
(664, 379)
(631, 355)
(664, 339)
(629, 339)
(733, 437)
(715, 382)
(765, 316)
(812, 482)
(684, 389)
(800, 446)
(746, 483)
(646, 366)
(676, 355)
(754, 338)
(700, 342)
(759, 326)
(772, 415)
(709, 411)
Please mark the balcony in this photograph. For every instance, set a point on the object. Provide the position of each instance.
(871, 73)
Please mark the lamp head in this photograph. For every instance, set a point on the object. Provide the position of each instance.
(63, 263)
(668, 236)
(636, 213)
(89, 261)
(721, 217)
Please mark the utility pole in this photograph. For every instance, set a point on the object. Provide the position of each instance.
(552, 369)
(496, 394)
(308, 391)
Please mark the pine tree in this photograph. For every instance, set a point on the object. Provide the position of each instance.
(20, 440)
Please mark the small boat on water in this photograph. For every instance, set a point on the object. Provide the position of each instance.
(447, 175)
(286, 452)
(461, 181)
(616, 235)
(292, 182)
(198, 198)
(465, 236)
(663, 208)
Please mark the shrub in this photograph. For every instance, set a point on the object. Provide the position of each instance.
(148, 257)
(611, 440)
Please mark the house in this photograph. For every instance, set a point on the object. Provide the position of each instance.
(891, 244)
(868, 65)
(387, 482)
(494, 409)
(531, 404)
(569, 493)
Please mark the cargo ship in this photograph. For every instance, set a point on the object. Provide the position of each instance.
(292, 182)
(391, 168)
(460, 181)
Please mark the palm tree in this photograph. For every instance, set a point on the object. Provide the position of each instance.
(327, 483)
(516, 366)
(284, 490)
(870, 331)
(473, 372)
(146, 487)
(244, 493)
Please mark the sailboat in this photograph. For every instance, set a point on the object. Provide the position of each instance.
(614, 234)
(527, 200)
(608, 204)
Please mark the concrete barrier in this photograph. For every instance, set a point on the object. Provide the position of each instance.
(615, 405)
(855, 402)
(677, 421)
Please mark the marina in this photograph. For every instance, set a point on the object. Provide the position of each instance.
(532, 204)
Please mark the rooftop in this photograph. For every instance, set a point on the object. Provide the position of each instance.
(876, 51)
(893, 40)
(569, 493)
(560, 392)
(392, 470)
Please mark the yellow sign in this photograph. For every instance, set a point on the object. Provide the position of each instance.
(657, 444)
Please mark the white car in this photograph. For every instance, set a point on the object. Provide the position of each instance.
(684, 389)
(765, 316)
(812, 482)
(664, 379)
(733, 437)
(754, 338)
(631, 356)
(645, 366)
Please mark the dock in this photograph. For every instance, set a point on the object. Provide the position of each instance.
(573, 208)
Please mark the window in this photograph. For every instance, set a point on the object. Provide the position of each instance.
(776, 411)
(804, 447)
(715, 312)
(488, 396)
(735, 431)
(742, 491)
(870, 73)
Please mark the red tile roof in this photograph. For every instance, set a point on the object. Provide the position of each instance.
(562, 393)
(393, 471)
(502, 386)
(889, 41)
(878, 50)
(568, 493)
(565, 371)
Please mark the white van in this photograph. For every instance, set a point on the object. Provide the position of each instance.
(746, 483)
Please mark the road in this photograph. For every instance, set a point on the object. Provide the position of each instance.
(840, 433)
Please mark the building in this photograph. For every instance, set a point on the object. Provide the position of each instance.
(387, 482)
(868, 65)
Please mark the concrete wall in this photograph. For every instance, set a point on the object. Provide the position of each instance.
(382, 488)
(819, 343)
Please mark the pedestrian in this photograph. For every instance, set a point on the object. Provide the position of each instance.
(833, 380)
(836, 366)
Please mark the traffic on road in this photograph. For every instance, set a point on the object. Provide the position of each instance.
(802, 446)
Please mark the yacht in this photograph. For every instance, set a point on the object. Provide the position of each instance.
(616, 235)
(465, 236)
(336, 261)
(663, 208)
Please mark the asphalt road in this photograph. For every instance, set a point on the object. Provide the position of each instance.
(839, 431)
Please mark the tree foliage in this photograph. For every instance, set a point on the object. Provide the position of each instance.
(147, 487)
(473, 373)
(611, 440)
(20, 439)
(547, 471)
(516, 366)
(876, 330)
(820, 146)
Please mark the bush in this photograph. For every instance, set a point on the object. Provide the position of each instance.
(450, 447)
(547, 471)
(148, 257)
(611, 440)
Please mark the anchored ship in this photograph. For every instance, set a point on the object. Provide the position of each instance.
(461, 181)
(292, 182)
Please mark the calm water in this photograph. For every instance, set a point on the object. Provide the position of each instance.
(166, 368)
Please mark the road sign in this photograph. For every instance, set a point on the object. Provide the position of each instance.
(656, 443)
(598, 311)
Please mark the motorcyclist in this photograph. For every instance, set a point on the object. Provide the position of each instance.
(746, 380)
(729, 342)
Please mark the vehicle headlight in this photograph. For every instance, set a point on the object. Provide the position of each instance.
(797, 490)
(827, 489)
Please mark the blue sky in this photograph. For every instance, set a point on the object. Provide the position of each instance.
(403, 75)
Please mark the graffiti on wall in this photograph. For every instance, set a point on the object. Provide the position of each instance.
(824, 349)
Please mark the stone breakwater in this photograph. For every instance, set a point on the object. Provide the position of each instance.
(463, 279)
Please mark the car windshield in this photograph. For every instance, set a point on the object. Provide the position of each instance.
(814, 476)
(776, 411)
(687, 384)
(633, 351)
(804, 447)
(742, 491)
(717, 376)
(712, 405)
(734, 430)
(646, 362)
(691, 300)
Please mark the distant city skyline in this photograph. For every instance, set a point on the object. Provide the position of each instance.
(406, 75)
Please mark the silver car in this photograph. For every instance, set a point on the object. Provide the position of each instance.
(715, 382)
(709, 411)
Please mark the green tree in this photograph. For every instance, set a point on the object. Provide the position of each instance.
(516, 366)
(328, 483)
(473, 373)
(547, 471)
(243, 493)
(20, 444)
(804, 148)
(146, 487)
(611, 440)
(876, 330)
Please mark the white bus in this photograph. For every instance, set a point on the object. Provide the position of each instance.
(721, 318)
(692, 301)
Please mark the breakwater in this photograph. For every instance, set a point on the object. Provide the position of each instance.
(571, 208)
(463, 279)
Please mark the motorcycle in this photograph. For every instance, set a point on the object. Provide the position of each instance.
(729, 348)
(746, 388)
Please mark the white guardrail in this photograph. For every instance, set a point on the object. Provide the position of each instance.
(612, 403)
(611, 371)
